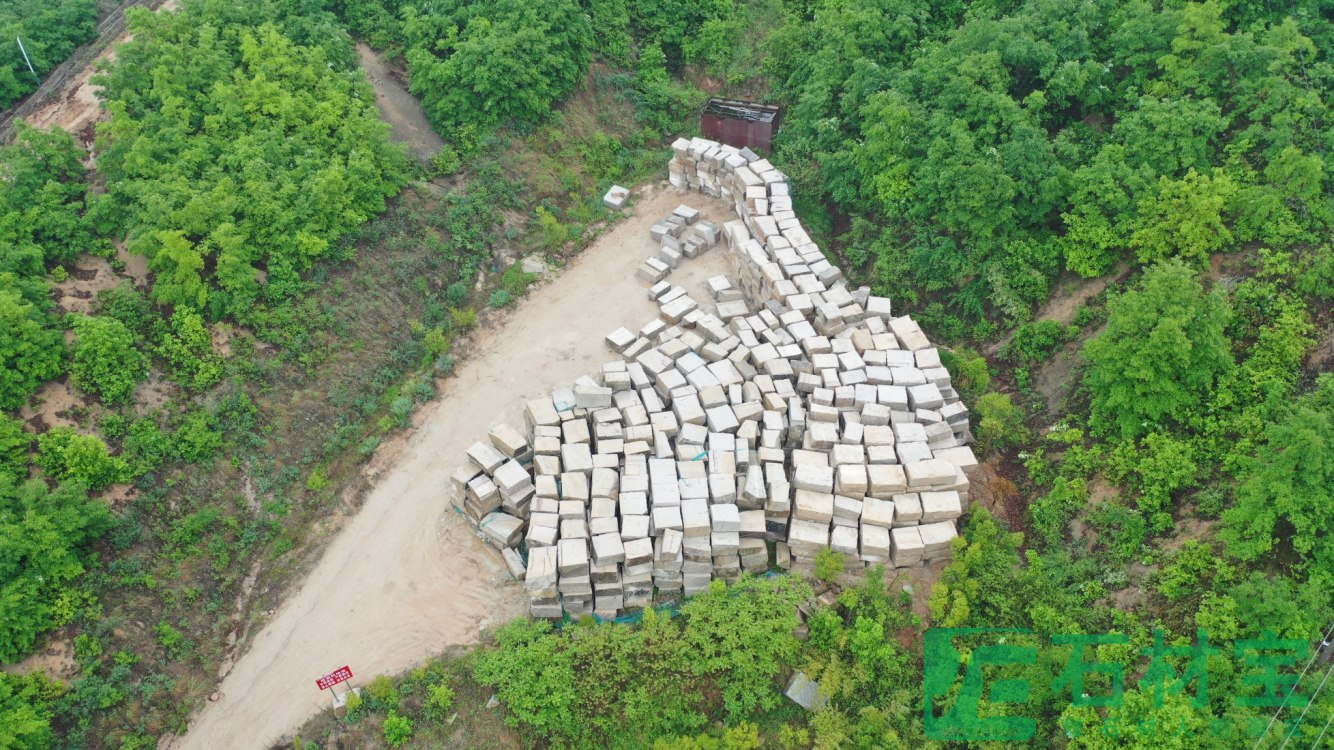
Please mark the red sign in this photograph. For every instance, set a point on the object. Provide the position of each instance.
(342, 674)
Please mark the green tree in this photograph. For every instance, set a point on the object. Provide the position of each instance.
(14, 445)
(106, 361)
(43, 534)
(397, 729)
(65, 454)
(1162, 353)
(1000, 422)
(1185, 220)
(25, 710)
(486, 64)
(188, 348)
(30, 351)
(1288, 491)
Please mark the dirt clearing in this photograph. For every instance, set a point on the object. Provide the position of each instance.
(406, 118)
(407, 577)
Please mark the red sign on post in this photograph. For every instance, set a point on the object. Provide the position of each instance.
(342, 674)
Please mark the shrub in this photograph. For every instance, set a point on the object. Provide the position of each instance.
(829, 565)
(457, 293)
(1161, 355)
(382, 692)
(464, 318)
(446, 161)
(196, 440)
(499, 298)
(14, 445)
(1034, 342)
(397, 729)
(515, 281)
(1000, 422)
(64, 454)
(969, 369)
(188, 349)
(550, 230)
(106, 361)
(439, 702)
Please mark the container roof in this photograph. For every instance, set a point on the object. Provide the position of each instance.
(739, 110)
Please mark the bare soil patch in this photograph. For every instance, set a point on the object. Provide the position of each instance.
(406, 118)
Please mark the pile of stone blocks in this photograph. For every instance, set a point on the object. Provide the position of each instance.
(787, 415)
(684, 234)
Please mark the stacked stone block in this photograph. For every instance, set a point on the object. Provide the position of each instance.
(787, 415)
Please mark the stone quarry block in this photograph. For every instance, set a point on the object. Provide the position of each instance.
(907, 509)
(937, 539)
(616, 197)
(940, 506)
(852, 480)
(608, 549)
(934, 471)
(486, 456)
(816, 507)
(502, 529)
(906, 546)
(878, 512)
(573, 557)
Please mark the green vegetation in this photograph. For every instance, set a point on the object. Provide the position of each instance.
(1161, 356)
(1158, 453)
(980, 151)
(45, 533)
(50, 30)
(106, 361)
(235, 155)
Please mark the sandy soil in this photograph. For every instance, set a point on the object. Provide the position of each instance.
(407, 576)
(400, 109)
(76, 108)
(88, 276)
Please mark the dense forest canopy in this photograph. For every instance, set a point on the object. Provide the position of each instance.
(50, 30)
(980, 154)
(236, 156)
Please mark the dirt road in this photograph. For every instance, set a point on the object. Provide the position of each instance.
(406, 118)
(406, 577)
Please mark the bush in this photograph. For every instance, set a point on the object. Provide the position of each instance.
(446, 161)
(188, 349)
(1161, 355)
(969, 370)
(1034, 342)
(515, 281)
(1000, 423)
(463, 318)
(14, 445)
(106, 361)
(829, 565)
(382, 693)
(457, 293)
(195, 440)
(397, 729)
(439, 702)
(551, 231)
(31, 352)
(499, 298)
(64, 454)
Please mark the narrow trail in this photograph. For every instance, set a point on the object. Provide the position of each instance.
(406, 118)
(406, 577)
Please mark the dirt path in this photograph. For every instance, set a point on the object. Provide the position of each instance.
(407, 577)
(400, 109)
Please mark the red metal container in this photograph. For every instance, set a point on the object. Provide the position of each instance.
(741, 124)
